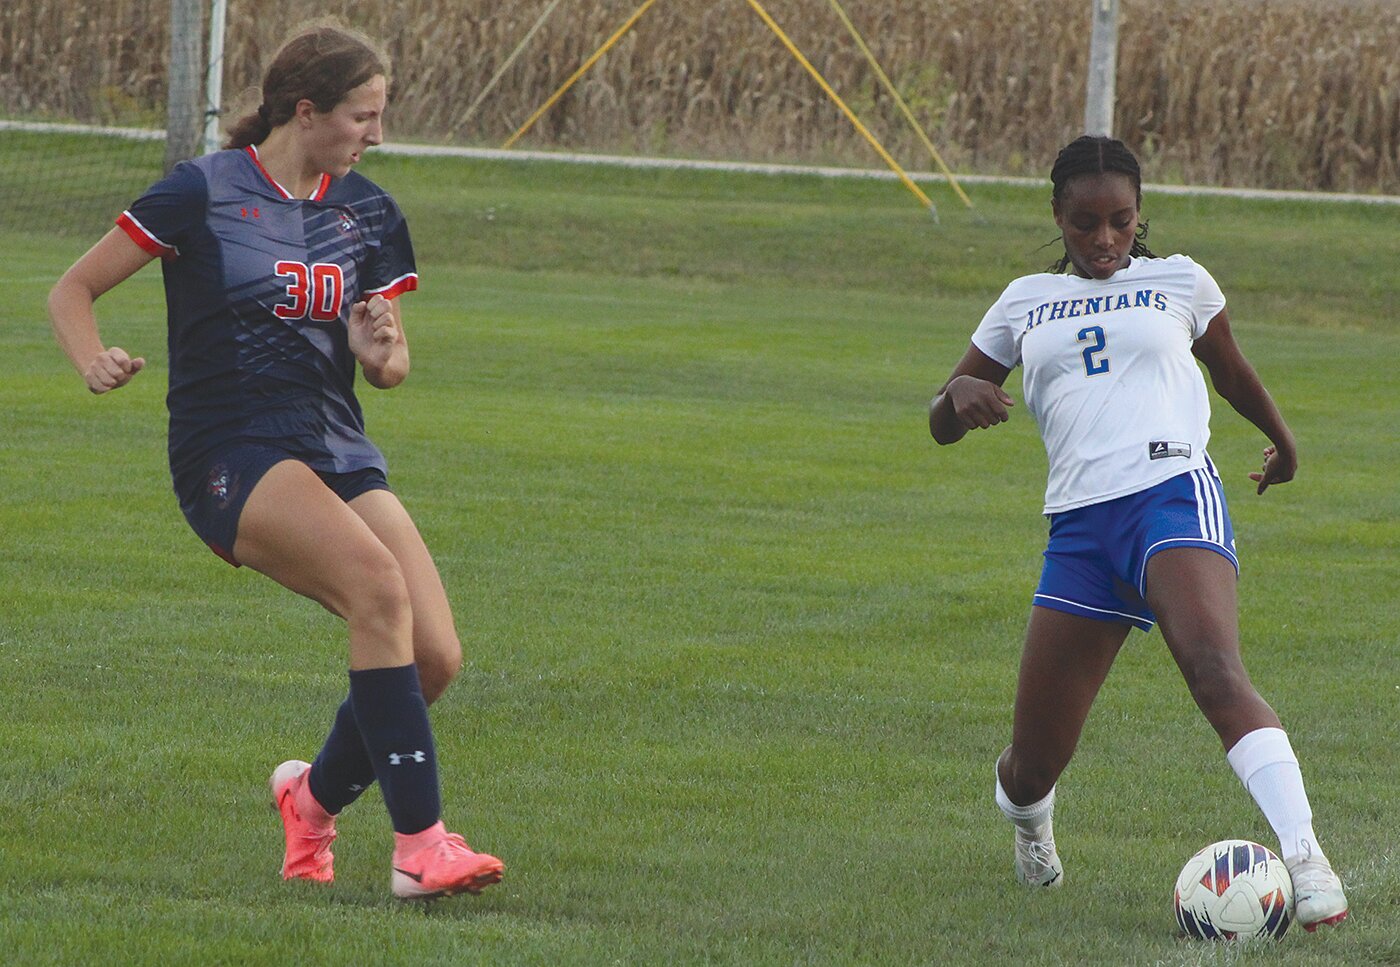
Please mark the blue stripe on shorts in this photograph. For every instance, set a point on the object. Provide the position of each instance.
(1096, 559)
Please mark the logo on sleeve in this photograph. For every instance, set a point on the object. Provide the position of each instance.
(1162, 449)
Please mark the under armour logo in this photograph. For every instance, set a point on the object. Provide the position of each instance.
(397, 759)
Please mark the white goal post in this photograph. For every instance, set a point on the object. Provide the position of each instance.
(1103, 69)
(214, 80)
(195, 94)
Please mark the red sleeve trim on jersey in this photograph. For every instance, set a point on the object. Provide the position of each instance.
(138, 234)
(404, 283)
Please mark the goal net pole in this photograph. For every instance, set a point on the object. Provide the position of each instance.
(184, 103)
(1103, 69)
(214, 80)
(899, 100)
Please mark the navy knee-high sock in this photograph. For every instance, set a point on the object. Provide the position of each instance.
(393, 721)
(342, 770)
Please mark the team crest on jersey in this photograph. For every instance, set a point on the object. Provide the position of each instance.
(347, 222)
(1162, 449)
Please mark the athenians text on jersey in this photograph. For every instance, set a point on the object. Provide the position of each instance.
(1093, 305)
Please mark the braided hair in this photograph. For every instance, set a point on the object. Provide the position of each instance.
(1095, 155)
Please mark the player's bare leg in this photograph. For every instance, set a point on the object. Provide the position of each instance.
(1063, 665)
(299, 533)
(1192, 591)
(436, 647)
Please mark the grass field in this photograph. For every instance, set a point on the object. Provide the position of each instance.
(741, 640)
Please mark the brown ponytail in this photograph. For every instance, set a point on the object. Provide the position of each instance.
(321, 64)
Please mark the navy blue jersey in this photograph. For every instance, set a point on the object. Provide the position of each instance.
(258, 289)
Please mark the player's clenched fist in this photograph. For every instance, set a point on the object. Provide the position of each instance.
(111, 368)
(979, 403)
(374, 320)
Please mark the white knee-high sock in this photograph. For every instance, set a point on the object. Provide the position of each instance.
(1265, 763)
(1030, 818)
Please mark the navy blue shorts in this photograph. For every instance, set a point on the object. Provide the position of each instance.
(1096, 561)
(213, 492)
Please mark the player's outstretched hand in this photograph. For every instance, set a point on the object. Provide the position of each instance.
(112, 368)
(1278, 468)
(979, 403)
(373, 330)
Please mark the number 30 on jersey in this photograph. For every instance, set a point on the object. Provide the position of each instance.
(314, 290)
(1093, 335)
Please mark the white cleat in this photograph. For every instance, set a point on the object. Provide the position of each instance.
(1317, 894)
(1037, 863)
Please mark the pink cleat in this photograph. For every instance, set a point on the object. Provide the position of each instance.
(310, 830)
(437, 863)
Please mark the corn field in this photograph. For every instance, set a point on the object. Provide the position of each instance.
(1261, 93)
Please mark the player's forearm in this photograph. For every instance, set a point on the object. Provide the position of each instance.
(73, 322)
(943, 422)
(1246, 393)
(391, 372)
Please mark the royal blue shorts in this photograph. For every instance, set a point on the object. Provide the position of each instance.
(1096, 561)
(213, 491)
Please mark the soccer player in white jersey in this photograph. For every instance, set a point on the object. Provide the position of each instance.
(283, 269)
(1139, 530)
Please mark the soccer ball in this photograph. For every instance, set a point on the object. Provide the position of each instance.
(1234, 890)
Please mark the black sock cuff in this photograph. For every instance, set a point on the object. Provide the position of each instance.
(401, 678)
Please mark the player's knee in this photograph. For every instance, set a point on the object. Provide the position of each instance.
(379, 595)
(1217, 682)
(438, 666)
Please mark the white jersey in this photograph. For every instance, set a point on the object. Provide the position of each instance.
(1108, 373)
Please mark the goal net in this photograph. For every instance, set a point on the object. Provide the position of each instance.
(83, 103)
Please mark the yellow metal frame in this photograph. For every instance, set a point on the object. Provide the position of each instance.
(851, 115)
(899, 100)
(505, 65)
(807, 65)
(607, 45)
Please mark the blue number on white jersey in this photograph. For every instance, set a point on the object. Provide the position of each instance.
(1092, 366)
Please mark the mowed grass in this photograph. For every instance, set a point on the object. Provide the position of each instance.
(742, 641)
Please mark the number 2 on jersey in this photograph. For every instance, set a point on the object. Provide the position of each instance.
(1092, 366)
(315, 290)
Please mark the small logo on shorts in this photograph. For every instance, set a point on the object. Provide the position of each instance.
(1161, 449)
(220, 485)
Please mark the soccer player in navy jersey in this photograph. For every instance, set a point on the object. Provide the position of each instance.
(283, 269)
(1139, 529)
